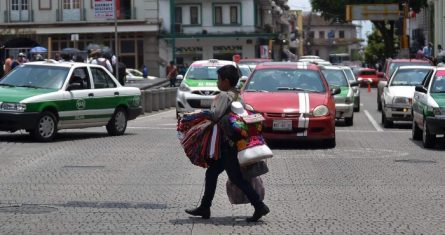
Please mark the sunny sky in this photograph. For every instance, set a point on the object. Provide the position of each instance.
(305, 5)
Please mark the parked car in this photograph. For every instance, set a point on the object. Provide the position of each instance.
(46, 96)
(368, 76)
(388, 69)
(294, 99)
(429, 109)
(351, 78)
(135, 75)
(198, 86)
(344, 101)
(398, 93)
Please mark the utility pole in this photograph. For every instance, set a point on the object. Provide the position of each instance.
(405, 40)
(173, 28)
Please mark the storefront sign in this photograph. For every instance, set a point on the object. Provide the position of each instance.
(104, 9)
(188, 50)
(227, 49)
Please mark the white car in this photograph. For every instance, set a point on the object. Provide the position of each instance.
(398, 94)
(198, 86)
(134, 75)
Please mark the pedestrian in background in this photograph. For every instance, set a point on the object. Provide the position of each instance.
(172, 72)
(228, 76)
(144, 71)
(99, 59)
(8, 64)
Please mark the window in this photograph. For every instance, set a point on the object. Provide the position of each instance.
(311, 34)
(194, 15)
(341, 34)
(101, 79)
(24, 5)
(71, 4)
(178, 15)
(321, 34)
(19, 5)
(81, 75)
(218, 15)
(15, 5)
(233, 15)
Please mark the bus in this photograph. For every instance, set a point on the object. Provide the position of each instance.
(340, 58)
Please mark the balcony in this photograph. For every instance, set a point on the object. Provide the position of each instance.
(22, 16)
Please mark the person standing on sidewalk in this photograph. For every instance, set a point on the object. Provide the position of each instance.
(228, 76)
(172, 72)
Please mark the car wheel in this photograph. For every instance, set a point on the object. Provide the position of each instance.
(416, 131)
(357, 109)
(349, 121)
(428, 139)
(118, 123)
(329, 143)
(46, 127)
(386, 123)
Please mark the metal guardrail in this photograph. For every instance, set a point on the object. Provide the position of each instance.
(158, 99)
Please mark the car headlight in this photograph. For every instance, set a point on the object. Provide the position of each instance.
(321, 110)
(184, 87)
(400, 100)
(16, 107)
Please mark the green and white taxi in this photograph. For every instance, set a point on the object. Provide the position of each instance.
(344, 102)
(44, 97)
(198, 86)
(429, 109)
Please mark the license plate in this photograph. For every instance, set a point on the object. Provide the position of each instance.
(206, 103)
(282, 125)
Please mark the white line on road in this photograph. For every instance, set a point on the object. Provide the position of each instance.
(373, 122)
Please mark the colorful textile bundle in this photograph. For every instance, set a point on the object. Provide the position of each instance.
(199, 137)
(247, 134)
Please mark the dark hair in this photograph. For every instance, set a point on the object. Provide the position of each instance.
(229, 72)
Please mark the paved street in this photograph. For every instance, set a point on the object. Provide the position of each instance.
(376, 181)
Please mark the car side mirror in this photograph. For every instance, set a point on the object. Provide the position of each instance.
(335, 91)
(179, 77)
(74, 86)
(420, 88)
(354, 83)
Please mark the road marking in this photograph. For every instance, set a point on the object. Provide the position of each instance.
(373, 122)
(154, 115)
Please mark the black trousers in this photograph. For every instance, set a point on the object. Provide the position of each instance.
(229, 163)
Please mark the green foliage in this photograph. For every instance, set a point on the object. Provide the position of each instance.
(375, 49)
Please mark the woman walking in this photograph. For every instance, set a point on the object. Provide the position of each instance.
(228, 76)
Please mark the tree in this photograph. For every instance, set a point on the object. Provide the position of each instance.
(335, 10)
(375, 50)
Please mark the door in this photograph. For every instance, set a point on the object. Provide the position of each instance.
(71, 10)
(19, 10)
(77, 108)
(106, 93)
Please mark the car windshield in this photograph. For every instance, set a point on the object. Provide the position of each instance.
(335, 77)
(438, 85)
(349, 75)
(245, 71)
(272, 80)
(202, 73)
(409, 77)
(36, 76)
(394, 66)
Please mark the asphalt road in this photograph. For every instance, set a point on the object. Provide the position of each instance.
(376, 181)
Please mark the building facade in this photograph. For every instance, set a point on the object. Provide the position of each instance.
(323, 37)
(194, 29)
(60, 24)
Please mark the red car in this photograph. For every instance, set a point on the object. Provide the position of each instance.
(294, 99)
(366, 76)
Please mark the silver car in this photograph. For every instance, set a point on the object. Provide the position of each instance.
(344, 102)
(351, 78)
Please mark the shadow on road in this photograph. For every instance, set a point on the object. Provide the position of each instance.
(225, 220)
(23, 137)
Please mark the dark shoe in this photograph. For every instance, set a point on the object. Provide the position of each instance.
(262, 211)
(203, 212)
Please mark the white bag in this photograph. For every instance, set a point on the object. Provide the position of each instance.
(254, 154)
